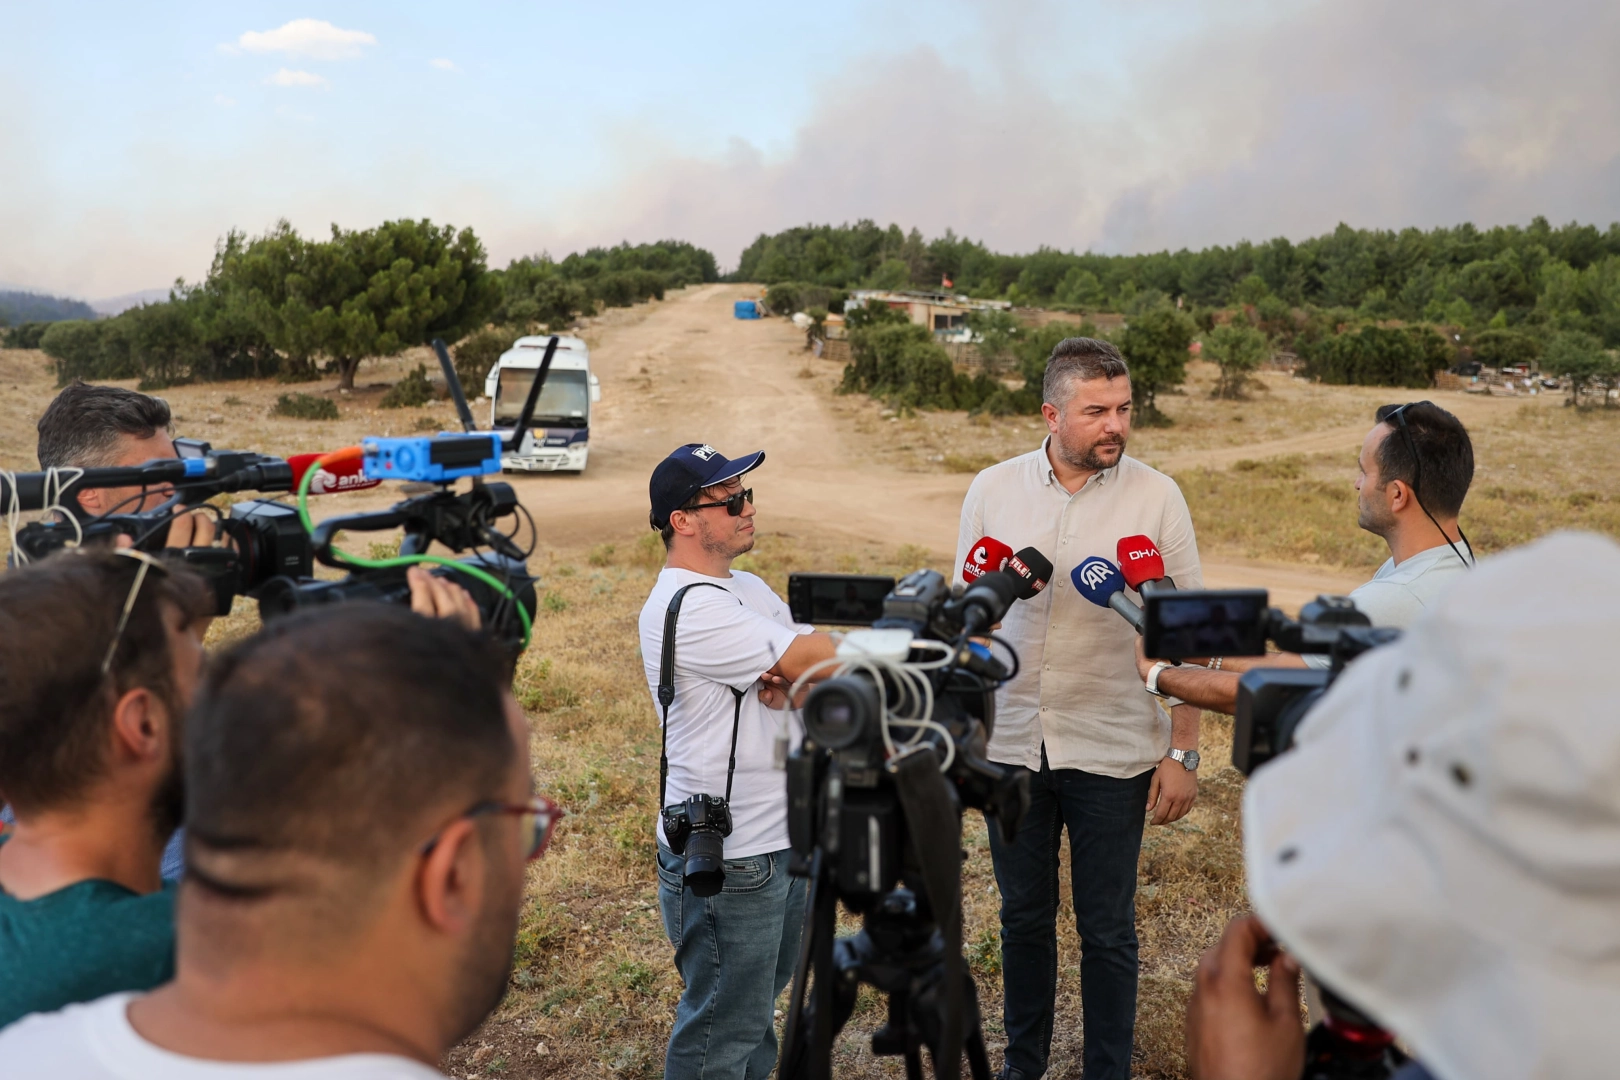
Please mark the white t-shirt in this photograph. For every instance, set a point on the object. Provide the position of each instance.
(94, 1041)
(726, 637)
(1397, 595)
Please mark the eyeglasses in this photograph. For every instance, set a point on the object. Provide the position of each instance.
(537, 819)
(733, 505)
(1397, 419)
(147, 562)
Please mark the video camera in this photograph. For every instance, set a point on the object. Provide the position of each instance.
(893, 753)
(1271, 702)
(274, 545)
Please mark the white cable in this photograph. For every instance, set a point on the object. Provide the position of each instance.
(13, 513)
(52, 498)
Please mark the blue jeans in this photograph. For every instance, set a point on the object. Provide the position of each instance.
(735, 952)
(1104, 816)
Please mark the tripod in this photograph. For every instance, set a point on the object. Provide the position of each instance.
(900, 951)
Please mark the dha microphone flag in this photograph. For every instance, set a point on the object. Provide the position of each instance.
(335, 476)
(985, 556)
(1031, 570)
(1099, 581)
(1141, 563)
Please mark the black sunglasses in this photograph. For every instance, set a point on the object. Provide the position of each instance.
(1397, 418)
(733, 505)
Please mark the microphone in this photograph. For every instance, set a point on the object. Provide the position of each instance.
(986, 555)
(1142, 565)
(1099, 581)
(1031, 570)
(344, 475)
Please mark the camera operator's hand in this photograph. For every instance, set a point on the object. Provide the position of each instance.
(196, 528)
(1172, 792)
(440, 599)
(1233, 1031)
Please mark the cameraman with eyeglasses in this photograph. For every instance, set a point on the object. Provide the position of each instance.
(1414, 470)
(721, 652)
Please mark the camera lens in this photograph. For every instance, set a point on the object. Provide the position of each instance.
(841, 712)
(705, 862)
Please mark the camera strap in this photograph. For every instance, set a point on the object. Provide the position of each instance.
(666, 692)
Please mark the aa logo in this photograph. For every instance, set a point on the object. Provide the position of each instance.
(1094, 573)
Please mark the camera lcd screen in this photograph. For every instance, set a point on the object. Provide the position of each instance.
(838, 599)
(1206, 622)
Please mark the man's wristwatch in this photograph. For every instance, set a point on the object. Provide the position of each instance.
(1188, 758)
(1151, 685)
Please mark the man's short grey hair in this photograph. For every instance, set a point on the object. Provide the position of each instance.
(81, 428)
(1079, 358)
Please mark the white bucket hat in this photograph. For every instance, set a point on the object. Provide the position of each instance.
(1442, 847)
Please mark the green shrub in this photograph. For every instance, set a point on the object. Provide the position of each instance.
(411, 391)
(1376, 356)
(475, 356)
(26, 335)
(903, 364)
(306, 407)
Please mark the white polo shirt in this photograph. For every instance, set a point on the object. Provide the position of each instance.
(1398, 594)
(725, 638)
(1077, 690)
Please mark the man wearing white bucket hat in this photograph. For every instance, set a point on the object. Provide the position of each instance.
(1442, 846)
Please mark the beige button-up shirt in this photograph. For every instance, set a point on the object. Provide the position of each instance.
(1077, 691)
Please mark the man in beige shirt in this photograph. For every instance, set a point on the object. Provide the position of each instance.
(1097, 746)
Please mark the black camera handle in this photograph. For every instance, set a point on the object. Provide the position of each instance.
(666, 692)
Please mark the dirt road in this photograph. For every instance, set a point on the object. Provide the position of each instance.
(689, 372)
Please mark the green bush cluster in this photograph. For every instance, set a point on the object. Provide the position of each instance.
(410, 392)
(1376, 356)
(902, 363)
(24, 335)
(539, 292)
(475, 355)
(301, 406)
(787, 297)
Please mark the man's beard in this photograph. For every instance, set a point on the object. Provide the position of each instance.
(727, 547)
(1373, 518)
(168, 807)
(1089, 458)
(486, 968)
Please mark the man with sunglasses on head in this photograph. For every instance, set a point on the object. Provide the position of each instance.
(1413, 473)
(733, 655)
(100, 654)
(360, 814)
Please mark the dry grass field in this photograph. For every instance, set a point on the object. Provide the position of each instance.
(1268, 479)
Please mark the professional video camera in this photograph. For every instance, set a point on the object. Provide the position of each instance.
(274, 545)
(1271, 703)
(1237, 622)
(893, 752)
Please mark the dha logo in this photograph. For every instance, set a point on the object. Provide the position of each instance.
(1143, 553)
(704, 452)
(1095, 572)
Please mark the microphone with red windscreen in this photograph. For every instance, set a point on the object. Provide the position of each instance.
(335, 476)
(1142, 565)
(1031, 570)
(985, 556)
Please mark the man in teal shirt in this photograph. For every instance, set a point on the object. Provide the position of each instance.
(99, 654)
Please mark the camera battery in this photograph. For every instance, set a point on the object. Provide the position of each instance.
(432, 459)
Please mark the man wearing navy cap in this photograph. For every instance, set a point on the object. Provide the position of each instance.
(738, 651)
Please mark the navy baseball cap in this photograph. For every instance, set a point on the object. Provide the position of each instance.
(688, 471)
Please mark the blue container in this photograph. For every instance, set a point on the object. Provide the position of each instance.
(745, 309)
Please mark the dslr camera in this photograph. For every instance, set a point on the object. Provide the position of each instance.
(697, 829)
(1271, 702)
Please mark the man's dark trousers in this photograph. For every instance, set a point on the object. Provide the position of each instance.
(1104, 816)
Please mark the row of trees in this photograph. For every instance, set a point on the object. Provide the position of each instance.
(292, 307)
(1536, 277)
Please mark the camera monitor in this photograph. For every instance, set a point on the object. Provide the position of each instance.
(838, 599)
(1205, 622)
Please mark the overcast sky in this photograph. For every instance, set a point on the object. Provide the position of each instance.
(132, 136)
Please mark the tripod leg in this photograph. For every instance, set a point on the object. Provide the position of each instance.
(802, 1056)
(914, 1063)
(978, 1057)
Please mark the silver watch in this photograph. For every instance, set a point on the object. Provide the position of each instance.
(1188, 758)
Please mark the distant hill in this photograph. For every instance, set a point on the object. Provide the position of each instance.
(21, 307)
(112, 305)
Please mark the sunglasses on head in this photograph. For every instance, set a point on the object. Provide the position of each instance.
(1397, 420)
(733, 505)
(147, 563)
